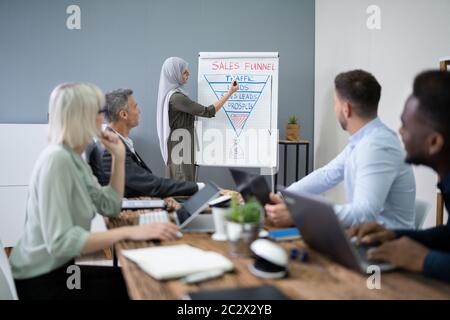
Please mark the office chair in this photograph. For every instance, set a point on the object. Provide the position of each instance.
(421, 209)
(7, 286)
(93, 154)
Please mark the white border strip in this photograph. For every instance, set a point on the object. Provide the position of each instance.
(224, 55)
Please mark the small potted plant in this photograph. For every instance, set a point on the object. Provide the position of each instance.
(293, 129)
(243, 226)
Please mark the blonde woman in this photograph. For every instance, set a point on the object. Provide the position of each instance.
(63, 199)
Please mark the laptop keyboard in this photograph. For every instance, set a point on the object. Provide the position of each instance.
(154, 216)
(362, 251)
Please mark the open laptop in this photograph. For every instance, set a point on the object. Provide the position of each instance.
(251, 185)
(322, 231)
(241, 178)
(188, 217)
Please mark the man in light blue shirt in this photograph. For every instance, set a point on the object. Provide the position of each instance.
(379, 185)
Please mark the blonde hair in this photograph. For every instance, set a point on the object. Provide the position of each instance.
(73, 109)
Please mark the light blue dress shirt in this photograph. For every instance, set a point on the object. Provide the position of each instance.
(379, 185)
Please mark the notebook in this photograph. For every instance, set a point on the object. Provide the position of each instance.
(175, 261)
(284, 234)
(264, 292)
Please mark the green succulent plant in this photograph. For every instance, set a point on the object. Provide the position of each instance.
(293, 119)
(250, 212)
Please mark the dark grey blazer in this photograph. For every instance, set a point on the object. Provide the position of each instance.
(139, 179)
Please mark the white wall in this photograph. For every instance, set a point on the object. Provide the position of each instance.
(414, 34)
(20, 145)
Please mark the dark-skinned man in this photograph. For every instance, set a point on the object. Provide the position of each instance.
(425, 132)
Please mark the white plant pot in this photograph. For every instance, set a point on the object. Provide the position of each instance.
(240, 236)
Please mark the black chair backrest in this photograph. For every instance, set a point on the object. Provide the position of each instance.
(94, 154)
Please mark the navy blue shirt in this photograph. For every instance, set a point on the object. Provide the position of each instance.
(437, 262)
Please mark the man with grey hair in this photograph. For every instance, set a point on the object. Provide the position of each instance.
(122, 113)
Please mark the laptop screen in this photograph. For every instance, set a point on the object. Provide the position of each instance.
(251, 185)
(241, 178)
(258, 188)
(196, 203)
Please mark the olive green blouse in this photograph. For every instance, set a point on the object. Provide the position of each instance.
(182, 113)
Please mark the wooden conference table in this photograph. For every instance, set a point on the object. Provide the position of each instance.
(318, 278)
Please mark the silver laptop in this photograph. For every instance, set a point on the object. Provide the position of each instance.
(188, 218)
(322, 231)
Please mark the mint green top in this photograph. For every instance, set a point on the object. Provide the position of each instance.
(63, 198)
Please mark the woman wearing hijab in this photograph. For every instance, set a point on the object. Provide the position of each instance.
(175, 110)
